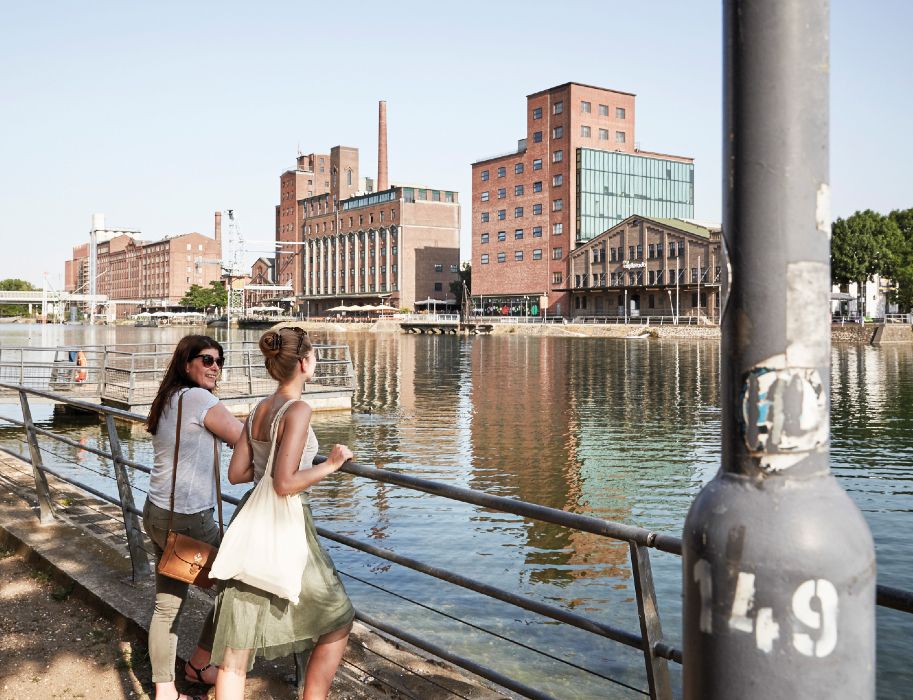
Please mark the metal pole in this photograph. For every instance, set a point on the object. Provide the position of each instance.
(45, 507)
(138, 558)
(778, 563)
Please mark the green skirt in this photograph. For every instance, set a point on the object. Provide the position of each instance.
(270, 626)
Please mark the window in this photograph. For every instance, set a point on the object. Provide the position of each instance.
(681, 248)
(557, 229)
(556, 278)
(557, 204)
(652, 280)
(537, 113)
(652, 251)
(537, 254)
(537, 186)
(502, 214)
(585, 107)
(438, 267)
(603, 110)
(518, 255)
(611, 249)
(557, 156)
(585, 132)
(518, 234)
(630, 252)
(484, 217)
(454, 268)
(619, 137)
(659, 277)
(672, 249)
(537, 232)
(439, 286)
(484, 196)
(502, 192)
(557, 132)
(640, 251)
(557, 253)
(537, 137)
(558, 108)
(603, 134)
(502, 235)
(502, 257)
(537, 208)
(518, 190)
(659, 250)
(485, 258)
(518, 212)
(537, 164)
(557, 180)
(484, 238)
(518, 168)
(619, 112)
(693, 275)
(502, 171)
(484, 176)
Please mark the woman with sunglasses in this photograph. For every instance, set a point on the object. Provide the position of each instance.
(251, 622)
(205, 422)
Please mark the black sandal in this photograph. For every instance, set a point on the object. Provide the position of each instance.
(198, 672)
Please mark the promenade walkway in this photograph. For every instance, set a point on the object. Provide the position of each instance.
(75, 622)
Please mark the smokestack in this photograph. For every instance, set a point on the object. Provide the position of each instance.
(382, 181)
(218, 227)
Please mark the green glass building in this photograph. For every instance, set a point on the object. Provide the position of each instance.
(612, 186)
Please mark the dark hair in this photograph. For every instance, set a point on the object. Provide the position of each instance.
(176, 376)
(282, 349)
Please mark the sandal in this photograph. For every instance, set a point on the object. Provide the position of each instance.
(198, 672)
(189, 696)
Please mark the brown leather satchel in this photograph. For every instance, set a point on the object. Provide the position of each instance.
(184, 558)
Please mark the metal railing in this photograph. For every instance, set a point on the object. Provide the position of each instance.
(130, 374)
(648, 639)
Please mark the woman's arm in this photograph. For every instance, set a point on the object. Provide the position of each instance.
(287, 478)
(241, 466)
(223, 425)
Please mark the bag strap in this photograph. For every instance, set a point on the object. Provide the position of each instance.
(273, 434)
(174, 465)
(174, 469)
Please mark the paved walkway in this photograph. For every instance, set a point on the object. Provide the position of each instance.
(79, 621)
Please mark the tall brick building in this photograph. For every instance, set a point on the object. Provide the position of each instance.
(577, 173)
(342, 243)
(148, 274)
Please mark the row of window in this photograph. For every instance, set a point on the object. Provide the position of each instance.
(557, 157)
(636, 278)
(585, 108)
(518, 256)
(636, 252)
(485, 217)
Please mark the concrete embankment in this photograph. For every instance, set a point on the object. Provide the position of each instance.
(83, 553)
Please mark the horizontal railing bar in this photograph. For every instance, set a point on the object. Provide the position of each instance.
(667, 652)
(585, 523)
(896, 598)
(462, 662)
(550, 611)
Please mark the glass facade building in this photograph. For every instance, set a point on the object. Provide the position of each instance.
(612, 186)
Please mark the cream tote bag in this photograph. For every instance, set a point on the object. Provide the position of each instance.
(265, 545)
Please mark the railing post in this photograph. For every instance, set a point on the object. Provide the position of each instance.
(131, 522)
(131, 384)
(45, 507)
(102, 379)
(778, 563)
(651, 630)
(250, 374)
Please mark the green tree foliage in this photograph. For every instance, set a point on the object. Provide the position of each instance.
(903, 273)
(15, 285)
(203, 298)
(456, 287)
(864, 245)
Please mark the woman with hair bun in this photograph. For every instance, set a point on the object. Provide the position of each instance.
(250, 621)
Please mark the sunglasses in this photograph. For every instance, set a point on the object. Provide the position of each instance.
(209, 360)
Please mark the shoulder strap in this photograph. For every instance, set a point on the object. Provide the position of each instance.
(174, 466)
(218, 476)
(273, 434)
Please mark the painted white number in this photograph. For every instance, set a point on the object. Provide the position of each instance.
(744, 617)
(824, 621)
(705, 582)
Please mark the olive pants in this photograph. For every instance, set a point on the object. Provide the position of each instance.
(170, 594)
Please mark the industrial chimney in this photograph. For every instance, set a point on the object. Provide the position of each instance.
(382, 180)
(218, 227)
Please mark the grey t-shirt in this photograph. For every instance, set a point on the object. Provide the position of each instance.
(195, 490)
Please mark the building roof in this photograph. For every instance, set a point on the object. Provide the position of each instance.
(689, 226)
(594, 87)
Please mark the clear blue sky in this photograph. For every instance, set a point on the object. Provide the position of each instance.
(158, 114)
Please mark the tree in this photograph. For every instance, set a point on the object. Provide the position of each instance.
(204, 298)
(15, 285)
(465, 275)
(862, 246)
(903, 274)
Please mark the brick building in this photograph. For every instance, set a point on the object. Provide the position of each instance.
(647, 267)
(153, 274)
(346, 244)
(577, 172)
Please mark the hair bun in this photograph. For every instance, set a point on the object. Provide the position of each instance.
(270, 343)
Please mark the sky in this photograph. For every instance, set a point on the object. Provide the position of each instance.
(159, 114)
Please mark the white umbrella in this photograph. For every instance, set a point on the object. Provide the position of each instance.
(385, 307)
(339, 308)
(162, 313)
